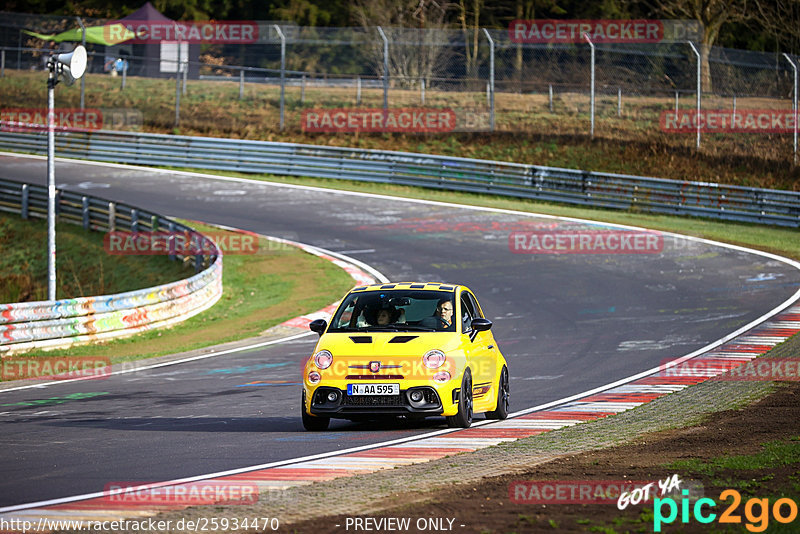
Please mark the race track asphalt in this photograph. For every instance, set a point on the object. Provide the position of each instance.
(565, 322)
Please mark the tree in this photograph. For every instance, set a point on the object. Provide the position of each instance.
(781, 18)
(711, 14)
(470, 28)
(416, 33)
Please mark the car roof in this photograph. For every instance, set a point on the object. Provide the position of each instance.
(420, 286)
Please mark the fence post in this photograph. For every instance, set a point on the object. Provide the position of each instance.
(385, 69)
(85, 212)
(134, 220)
(178, 86)
(185, 70)
(112, 217)
(303, 90)
(171, 240)
(676, 104)
(53, 200)
(241, 84)
(619, 101)
(591, 105)
(491, 78)
(699, 92)
(794, 105)
(25, 200)
(283, 71)
(124, 73)
(358, 90)
(422, 91)
(2, 62)
(550, 90)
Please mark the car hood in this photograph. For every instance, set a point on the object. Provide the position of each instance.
(371, 344)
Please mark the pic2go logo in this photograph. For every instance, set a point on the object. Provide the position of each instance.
(757, 521)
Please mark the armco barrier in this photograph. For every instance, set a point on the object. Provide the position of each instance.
(552, 184)
(60, 323)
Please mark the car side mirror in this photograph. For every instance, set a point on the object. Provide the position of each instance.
(319, 326)
(479, 324)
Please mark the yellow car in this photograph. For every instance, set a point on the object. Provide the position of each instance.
(405, 349)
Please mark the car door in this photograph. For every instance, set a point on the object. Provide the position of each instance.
(481, 352)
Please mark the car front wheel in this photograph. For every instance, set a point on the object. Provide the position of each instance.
(463, 419)
(311, 422)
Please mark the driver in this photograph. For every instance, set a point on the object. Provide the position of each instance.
(444, 312)
(442, 317)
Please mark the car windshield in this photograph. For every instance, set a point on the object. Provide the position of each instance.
(395, 310)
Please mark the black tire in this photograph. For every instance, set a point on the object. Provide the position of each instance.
(463, 419)
(312, 422)
(503, 394)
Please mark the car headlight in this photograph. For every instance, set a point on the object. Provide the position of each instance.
(323, 359)
(433, 359)
(313, 377)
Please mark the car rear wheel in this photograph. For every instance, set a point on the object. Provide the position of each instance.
(313, 423)
(463, 419)
(501, 412)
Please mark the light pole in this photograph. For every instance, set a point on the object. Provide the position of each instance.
(67, 67)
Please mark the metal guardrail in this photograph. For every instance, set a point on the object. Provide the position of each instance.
(595, 189)
(48, 324)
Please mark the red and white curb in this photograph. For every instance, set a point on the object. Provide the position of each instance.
(623, 396)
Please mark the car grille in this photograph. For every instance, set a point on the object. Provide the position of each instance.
(372, 400)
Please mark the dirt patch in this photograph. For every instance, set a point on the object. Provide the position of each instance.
(486, 506)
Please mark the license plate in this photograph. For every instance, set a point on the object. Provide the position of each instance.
(373, 389)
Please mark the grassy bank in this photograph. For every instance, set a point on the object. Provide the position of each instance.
(82, 266)
(527, 131)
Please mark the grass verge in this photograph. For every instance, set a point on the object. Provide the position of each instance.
(82, 267)
(259, 291)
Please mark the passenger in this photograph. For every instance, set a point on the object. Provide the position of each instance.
(384, 317)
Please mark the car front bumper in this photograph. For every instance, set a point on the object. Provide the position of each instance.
(343, 405)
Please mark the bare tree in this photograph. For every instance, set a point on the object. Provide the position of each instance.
(781, 18)
(416, 33)
(469, 21)
(712, 14)
(526, 10)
